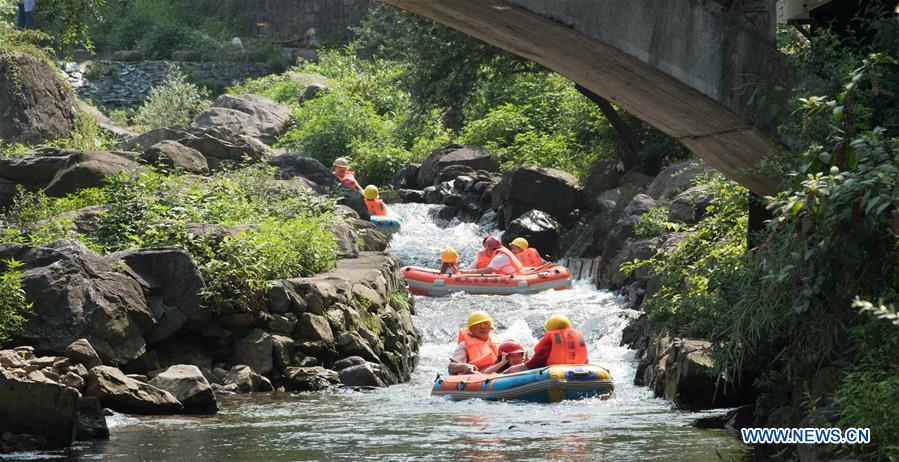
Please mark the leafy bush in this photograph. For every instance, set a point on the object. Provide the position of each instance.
(175, 101)
(330, 126)
(288, 234)
(87, 135)
(13, 305)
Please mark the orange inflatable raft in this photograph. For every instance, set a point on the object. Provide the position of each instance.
(426, 281)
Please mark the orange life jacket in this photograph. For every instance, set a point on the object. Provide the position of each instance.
(376, 207)
(482, 354)
(530, 257)
(483, 259)
(448, 268)
(514, 265)
(568, 347)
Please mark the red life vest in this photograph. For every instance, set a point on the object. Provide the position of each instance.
(448, 268)
(514, 265)
(483, 259)
(348, 179)
(376, 207)
(530, 257)
(482, 354)
(568, 347)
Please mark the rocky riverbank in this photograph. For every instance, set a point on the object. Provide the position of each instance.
(132, 331)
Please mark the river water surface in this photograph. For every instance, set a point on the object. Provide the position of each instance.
(404, 422)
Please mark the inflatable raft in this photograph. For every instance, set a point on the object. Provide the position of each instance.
(425, 281)
(388, 223)
(546, 385)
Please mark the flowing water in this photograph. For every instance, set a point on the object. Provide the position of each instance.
(404, 422)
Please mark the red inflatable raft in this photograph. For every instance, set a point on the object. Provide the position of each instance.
(426, 281)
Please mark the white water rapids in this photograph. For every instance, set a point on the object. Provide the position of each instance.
(404, 422)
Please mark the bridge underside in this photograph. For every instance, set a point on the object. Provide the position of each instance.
(680, 65)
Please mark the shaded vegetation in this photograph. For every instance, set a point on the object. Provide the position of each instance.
(794, 308)
(278, 233)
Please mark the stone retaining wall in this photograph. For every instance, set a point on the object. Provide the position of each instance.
(121, 84)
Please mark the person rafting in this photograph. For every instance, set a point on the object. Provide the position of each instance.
(476, 346)
(448, 260)
(560, 345)
(481, 259)
(511, 354)
(344, 175)
(373, 201)
(502, 260)
(528, 256)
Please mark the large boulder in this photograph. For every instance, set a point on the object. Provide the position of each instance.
(691, 205)
(682, 370)
(255, 350)
(60, 171)
(315, 328)
(674, 179)
(37, 106)
(222, 148)
(314, 378)
(623, 230)
(121, 393)
(82, 352)
(522, 189)
(247, 381)
(91, 420)
(44, 409)
(171, 284)
(172, 154)
(250, 115)
(586, 238)
(470, 156)
(406, 177)
(362, 375)
(77, 294)
(187, 384)
(87, 169)
(539, 228)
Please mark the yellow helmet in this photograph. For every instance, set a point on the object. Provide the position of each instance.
(479, 316)
(449, 255)
(556, 322)
(370, 192)
(519, 242)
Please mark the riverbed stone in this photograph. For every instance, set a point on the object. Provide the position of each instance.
(187, 384)
(37, 105)
(361, 375)
(91, 420)
(674, 179)
(246, 380)
(123, 394)
(526, 188)
(77, 294)
(44, 409)
(352, 344)
(347, 362)
(314, 327)
(310, 378)
(475, 157)
(82, 352)
(255, 350)
(172, 154)
(251, 115)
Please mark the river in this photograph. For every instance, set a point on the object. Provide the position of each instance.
(404, 422)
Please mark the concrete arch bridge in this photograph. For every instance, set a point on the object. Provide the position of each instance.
(687, 67)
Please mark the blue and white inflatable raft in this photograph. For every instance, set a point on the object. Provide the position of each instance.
(545, 385)
(387, 223)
